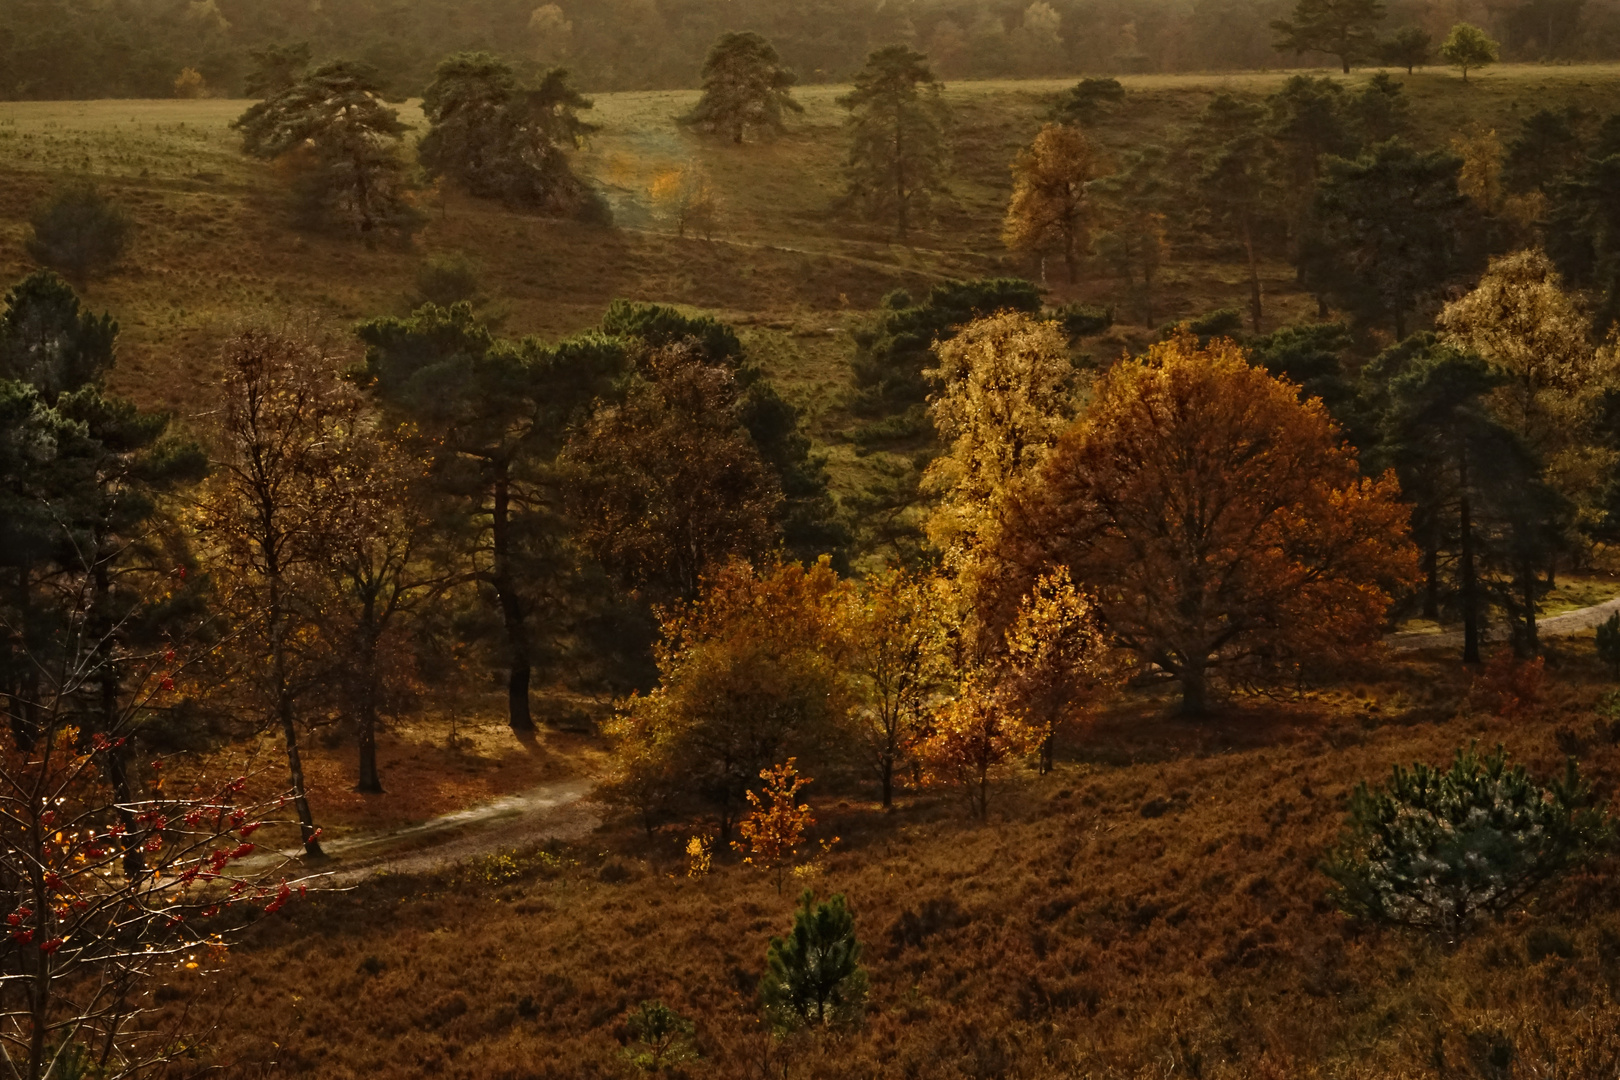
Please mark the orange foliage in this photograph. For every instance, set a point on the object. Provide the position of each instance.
(1220, 522)
(772, 834)
(975, 737)
(1509, 685)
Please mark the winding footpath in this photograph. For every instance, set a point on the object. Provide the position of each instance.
(1565, 625)
(554, 811)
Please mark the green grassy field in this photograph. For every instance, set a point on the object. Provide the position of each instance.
(213, 248)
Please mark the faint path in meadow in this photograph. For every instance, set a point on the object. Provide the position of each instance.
(554, 811)
(1570, 622)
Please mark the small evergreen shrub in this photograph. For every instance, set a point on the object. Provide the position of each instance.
(660, 1037)
(813, 977)
(79, 231)
(1436, 849)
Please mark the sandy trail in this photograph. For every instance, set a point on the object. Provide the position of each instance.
(553, 811)
(1570, 622)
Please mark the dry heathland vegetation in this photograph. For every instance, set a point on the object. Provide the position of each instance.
(1152, 904)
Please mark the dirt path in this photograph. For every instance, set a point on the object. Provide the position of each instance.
(554, 811)
(1570, 622)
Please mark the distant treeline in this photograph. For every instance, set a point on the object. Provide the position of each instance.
(141, 48)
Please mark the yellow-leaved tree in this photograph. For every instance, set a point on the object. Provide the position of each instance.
(685, 198)
(1006, 392)
(1058, 658)
(1051, 210)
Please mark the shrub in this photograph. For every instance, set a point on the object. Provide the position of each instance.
(1608, 644)
(80, 231)
(1434, 849)
(662, 1037)
(814, 978)
(447, 279)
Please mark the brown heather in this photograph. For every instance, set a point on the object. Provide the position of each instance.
(1151, 908)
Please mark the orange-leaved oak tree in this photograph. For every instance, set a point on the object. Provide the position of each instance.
(1220, 523)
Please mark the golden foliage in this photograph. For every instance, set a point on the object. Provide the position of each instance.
(685, 198)
(1050, 208)
(1481, 175)
(977, 735)
(190, 84)
(1523, 323)
(1058, 656)
(771, 834)
(1006, 392)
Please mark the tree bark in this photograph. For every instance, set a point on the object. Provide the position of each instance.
(286, 713)
(1431, 577)
(1469, 586)
(512, 615)
(887, 776)
(370, 781)
(1254, 276)
(1194, 690)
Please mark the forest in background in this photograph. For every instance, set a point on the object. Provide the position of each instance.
(70, 49)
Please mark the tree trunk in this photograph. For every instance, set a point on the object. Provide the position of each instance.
(1254, 276)
(887, 777)
(1070, 259)
(370, 782)
(1048, 749)
(113, 764)
(1469, 586)
(1431, 577)
(1194, 690)
(900, 175)
(286, 713)
(1345, 60)
(1532, 642)
(512, 615)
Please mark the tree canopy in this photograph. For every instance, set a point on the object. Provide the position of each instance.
(898, 143)
(745, 87)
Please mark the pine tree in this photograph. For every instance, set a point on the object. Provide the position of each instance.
(1235, 184)
(813, 977)
(500, 140)
(334, 125)
(897, 156)
(1435, 849)
(1410, 47)
(1346, 29)
(79, 231)
(745, 87)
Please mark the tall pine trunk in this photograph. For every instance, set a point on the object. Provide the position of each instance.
(512, 615)
(1254, 275)
(1469, 585)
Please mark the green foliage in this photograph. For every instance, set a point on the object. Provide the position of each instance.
(1434, 849)
(1583, 214)
(1395, 231)
(79, 231)
(48, 340)
(1608, 643)
(814, 978)
(1313, 355)
(1083, 320)
(334, 127)
(1547, 147)
(1235, 183)
(809, 517)
(1086, 102)
(892, 354)
(1475, 486)
(897, 153)
(276, 69)
(1409, 47)
(499, 140)
(663, 1037)
(1347, 29)
(1379, 111)
(744, 86)
(494, 415)
(1467, 46)
(443, 280)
